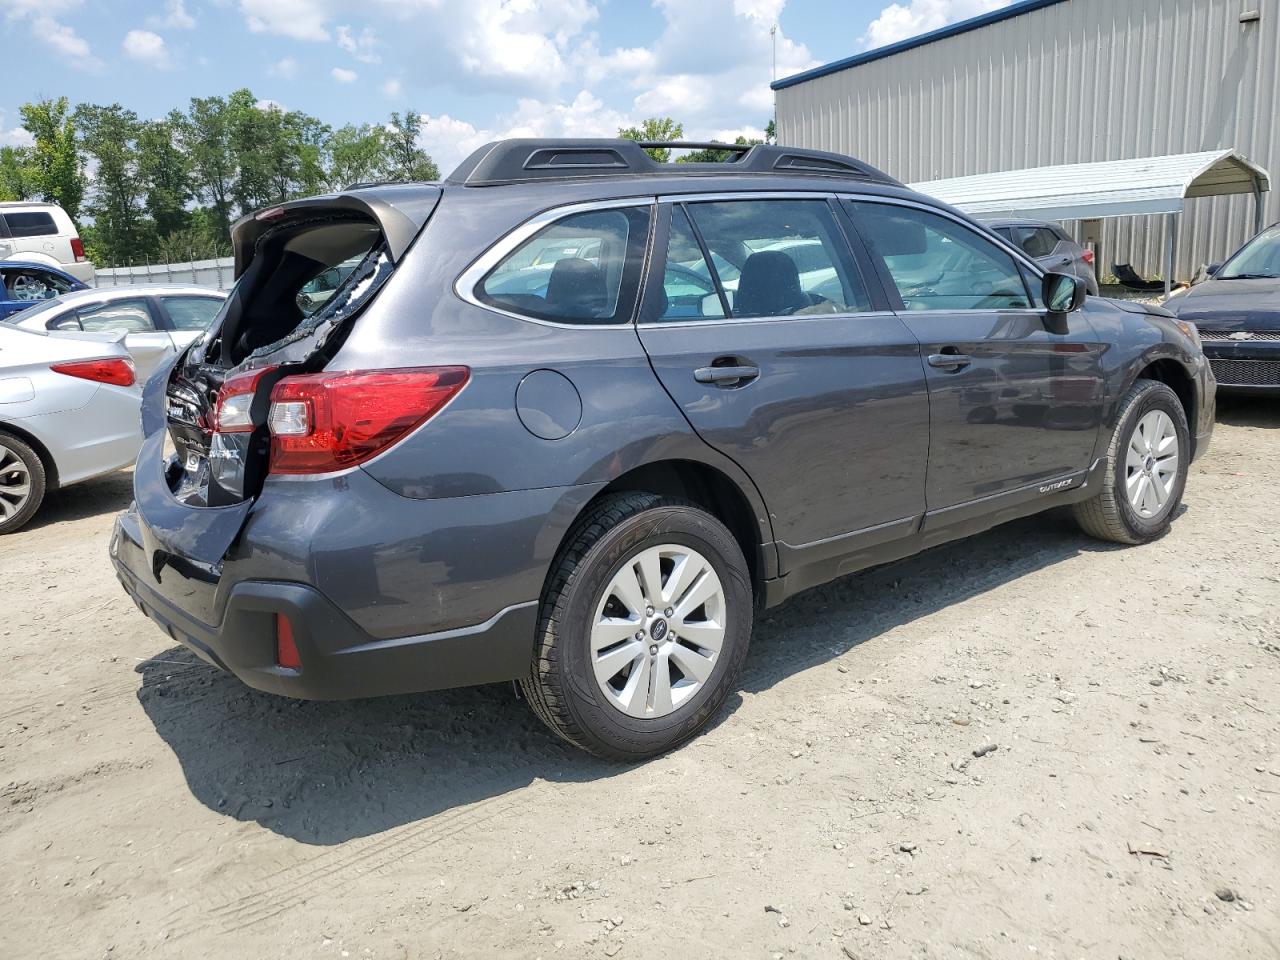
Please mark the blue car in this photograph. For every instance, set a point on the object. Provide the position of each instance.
(23, 284)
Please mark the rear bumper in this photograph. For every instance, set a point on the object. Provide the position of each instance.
(339, 659)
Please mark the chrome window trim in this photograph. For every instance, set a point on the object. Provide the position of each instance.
(465, 286)
(788, 318)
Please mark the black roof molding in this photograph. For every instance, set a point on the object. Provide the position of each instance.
(529, 160)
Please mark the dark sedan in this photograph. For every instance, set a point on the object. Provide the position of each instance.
(1238, 313)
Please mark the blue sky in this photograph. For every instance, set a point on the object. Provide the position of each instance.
(477, 70)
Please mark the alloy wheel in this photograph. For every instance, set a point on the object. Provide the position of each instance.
(15, 483)
(1151, 464)
(658, 630)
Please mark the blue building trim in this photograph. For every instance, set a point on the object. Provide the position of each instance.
(951, 30)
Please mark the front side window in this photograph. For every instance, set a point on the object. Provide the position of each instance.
(780, 258)
(192, 313)
(937, 263)
(131, 316)
(583, 269)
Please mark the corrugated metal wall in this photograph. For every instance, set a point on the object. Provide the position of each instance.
(1078, 81)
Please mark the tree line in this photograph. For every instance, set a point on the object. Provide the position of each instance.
(169, 189)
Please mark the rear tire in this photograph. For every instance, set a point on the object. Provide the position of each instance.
(1138, 497)
(635, 552)
(22, 482)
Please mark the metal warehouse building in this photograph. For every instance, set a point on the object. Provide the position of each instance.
(1046, 82)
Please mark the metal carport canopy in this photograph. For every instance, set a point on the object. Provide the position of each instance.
(1111, 188)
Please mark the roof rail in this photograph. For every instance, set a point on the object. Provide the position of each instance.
(528, 160)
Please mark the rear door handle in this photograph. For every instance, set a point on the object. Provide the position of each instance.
(949, 361)
(725, 374)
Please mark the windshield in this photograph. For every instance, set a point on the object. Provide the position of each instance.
(1260, 257)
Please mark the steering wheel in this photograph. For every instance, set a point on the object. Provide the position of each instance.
(28, 288)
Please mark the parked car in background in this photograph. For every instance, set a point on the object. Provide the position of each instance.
(592, 485)
(1050, 246)
(24, 284)
(68, 412)
(1238, 313)
(157, 321)
(43, 233)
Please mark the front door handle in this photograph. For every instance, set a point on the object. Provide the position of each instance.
(949, 361)
(734, 374)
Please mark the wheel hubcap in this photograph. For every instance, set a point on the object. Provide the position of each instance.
(658, 630)
(1151, 465)
(15, 483)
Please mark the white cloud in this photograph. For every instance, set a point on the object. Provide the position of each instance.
(361, 47)
(64, 41)
(285, 69)
(14, 136)
(175, 17)
(267, 105)
(299, 19)
(146, 47)
(393, 88)
(343, 75)
(898, 21)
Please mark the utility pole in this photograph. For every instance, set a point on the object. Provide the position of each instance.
(773, 37)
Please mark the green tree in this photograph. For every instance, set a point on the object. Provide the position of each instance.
(711, 155)
(165, 175)
(17, 179)
(204, 136)
(407, 160)
(57, 170)
(110, 136)
(771, 132)
(356, 154)
(655, 129)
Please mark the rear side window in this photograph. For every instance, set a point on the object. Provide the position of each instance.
(937, 263)
(1039, 241)
(132, 316)
(192, 313)
(583, 269)
(30, 224)
(780, 258)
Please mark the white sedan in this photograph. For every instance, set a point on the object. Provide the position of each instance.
(69, 411)
(157, 320)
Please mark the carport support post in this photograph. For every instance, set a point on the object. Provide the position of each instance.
(1170, 249)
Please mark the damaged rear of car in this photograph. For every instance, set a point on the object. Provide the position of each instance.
(253, 399)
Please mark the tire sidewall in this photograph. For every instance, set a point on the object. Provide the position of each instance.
(35, 469)
(591, 709)
(1157, 396)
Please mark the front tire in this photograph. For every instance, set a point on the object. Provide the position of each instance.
(22, 482)
(643, 629)
(1147, 464)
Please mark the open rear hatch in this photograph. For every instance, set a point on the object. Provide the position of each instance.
(304, 272)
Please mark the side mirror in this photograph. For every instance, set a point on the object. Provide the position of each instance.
(1063, 292)
(1213, 268)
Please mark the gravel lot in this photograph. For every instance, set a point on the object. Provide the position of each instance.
(153, 807)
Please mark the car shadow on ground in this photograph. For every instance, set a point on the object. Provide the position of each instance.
(324, 773)
(107, 494)
(1248, 410)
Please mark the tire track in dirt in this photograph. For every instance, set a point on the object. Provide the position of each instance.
(290, 886)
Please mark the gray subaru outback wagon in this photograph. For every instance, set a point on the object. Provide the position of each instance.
(577, 415)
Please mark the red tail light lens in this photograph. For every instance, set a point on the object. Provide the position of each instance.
(1088, 256)
(286, 648)
(328, 421)
(77, 249)
(235, 400)
(116, 370)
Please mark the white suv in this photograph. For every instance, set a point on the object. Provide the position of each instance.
(43, 233)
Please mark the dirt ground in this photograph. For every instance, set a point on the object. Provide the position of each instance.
(153, 807)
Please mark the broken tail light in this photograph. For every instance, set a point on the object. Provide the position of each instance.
(322, 422)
